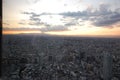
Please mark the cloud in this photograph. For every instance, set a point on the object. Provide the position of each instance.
(19, 29)
(101, 17)
(74, 14)
(35, 14)
(70, 24)
(22, 23)
(103, 8)
(36, 23)
(6, 24)
(107, 20)
(27, 13)
(47, 28)
(54, 28)
(33, 18)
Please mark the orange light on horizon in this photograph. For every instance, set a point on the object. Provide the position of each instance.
(18, 32)
(86, 31)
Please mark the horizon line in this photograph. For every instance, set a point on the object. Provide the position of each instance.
(45, 34)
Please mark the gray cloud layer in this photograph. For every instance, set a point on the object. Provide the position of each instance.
(54, 28)
(35, 20)
(20, 29)
(101, 17)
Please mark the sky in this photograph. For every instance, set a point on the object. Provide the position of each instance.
(62, 17)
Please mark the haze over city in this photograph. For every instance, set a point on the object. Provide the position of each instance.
(60, 40)
(62, 17)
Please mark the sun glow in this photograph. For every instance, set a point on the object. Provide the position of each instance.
(61, 17)
(94, 31)
(19, 32)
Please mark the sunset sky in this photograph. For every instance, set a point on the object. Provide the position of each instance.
(62, 17)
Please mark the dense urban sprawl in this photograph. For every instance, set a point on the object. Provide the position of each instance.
(26, 57)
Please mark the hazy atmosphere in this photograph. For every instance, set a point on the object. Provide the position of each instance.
(60, 40)
(62, 17)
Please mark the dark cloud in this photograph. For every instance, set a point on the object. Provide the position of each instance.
(105, 16)
(36, 23)
(33, 18)
(101, 17)
(107, 20)
(35, 14)
(104, 8)
(74, 14)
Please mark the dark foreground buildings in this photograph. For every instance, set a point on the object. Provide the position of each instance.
(58, 58)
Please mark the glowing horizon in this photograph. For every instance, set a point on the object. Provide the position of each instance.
(62, 17)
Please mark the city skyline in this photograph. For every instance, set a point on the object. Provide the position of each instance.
(62, 17)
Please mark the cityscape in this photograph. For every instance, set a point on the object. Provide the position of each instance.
(60, 40)
(36, 57)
